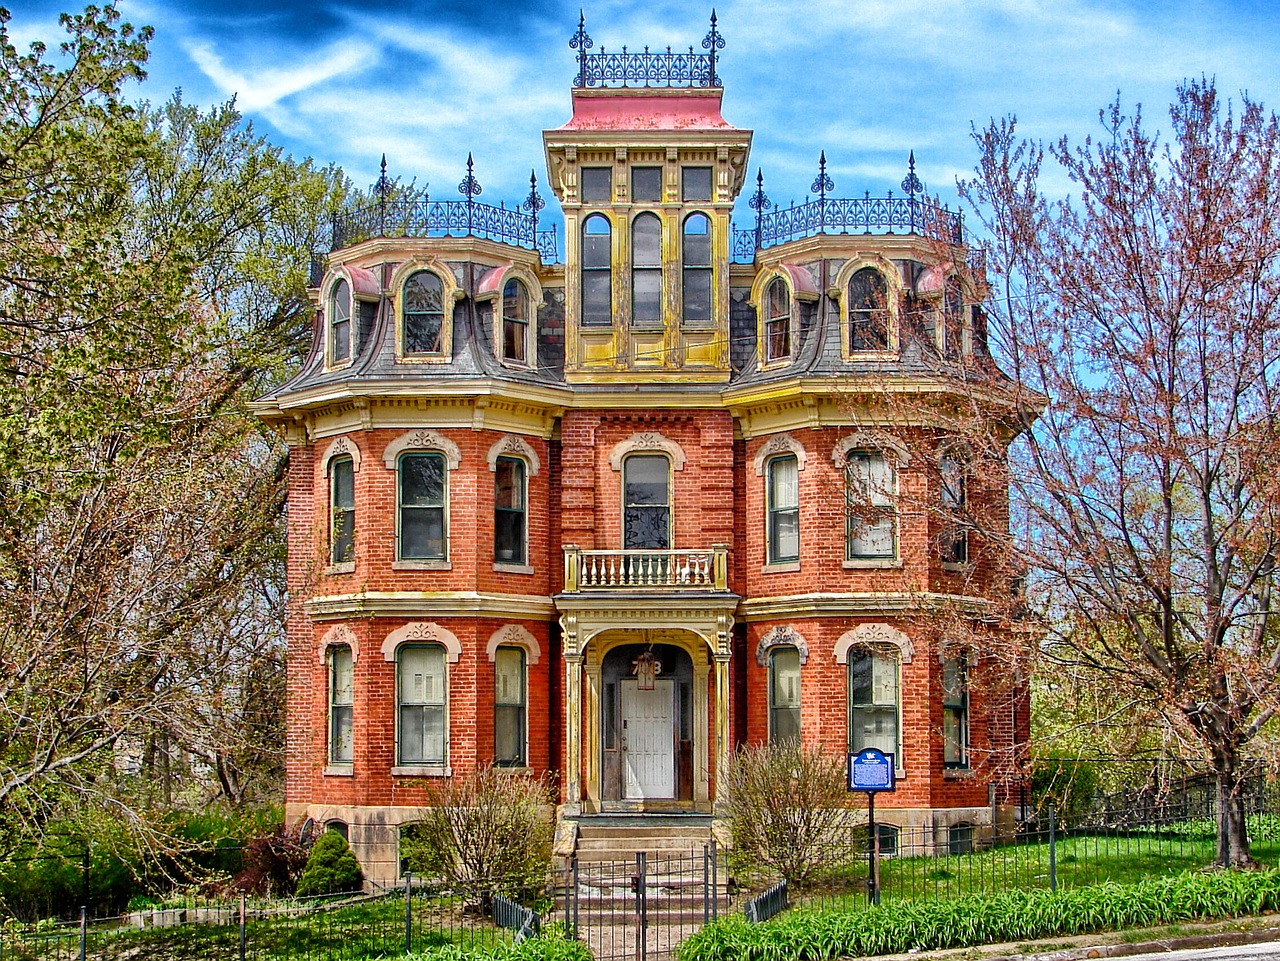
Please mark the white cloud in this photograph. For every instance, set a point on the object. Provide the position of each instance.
(264, 88)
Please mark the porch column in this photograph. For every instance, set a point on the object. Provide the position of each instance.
(722, 719)
(701, 732)
(573, 733)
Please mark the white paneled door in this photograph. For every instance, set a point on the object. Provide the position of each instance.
(648, 740)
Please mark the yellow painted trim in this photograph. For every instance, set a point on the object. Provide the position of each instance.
(424, 604)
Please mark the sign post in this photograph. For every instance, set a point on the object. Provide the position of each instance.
(871, 771)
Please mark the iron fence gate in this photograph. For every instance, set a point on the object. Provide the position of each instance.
(641, 910)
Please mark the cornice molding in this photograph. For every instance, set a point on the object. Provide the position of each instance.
(428, 604)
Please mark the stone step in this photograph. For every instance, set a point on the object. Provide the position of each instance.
(671, 832)
(684, 845)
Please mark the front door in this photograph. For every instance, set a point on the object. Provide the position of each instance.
(648, 740)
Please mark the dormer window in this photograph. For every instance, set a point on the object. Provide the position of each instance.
(596, 186)
(953, 319)
(340, 323)
(646, 185)
(646, 270)
(597, 271)
(423, 314)
(695, 185)
(868, 311)
(777, 322)
(515, 322)
(696, 266)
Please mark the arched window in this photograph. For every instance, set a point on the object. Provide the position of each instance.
(696, 279)
(784, 509)
(874, 703)
(340, 323)
(868, 311)
(646, 270)
(646, 493)
(342, 510)
(510, 705)
(423, 314)
(423, 531)
(341, 701)
(422, 696)
(784, 695)
(509, 512)
(515, 322)
(777, 321)
(871, 528)
(597, 271)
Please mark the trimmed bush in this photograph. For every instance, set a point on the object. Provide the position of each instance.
(967, 922)
(331, 868)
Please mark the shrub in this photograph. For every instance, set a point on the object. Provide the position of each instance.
(331, 867)
(486, 833)
(551, 945)
(911, 926)
(273, 864)
(807, 835)
(1069, 784)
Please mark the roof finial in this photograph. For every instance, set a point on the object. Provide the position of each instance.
(911, 183)
(711, 43)
(581, 43)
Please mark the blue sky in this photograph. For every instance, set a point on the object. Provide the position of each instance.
(865, 80)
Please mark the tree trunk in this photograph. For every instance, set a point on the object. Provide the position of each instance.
(1233, 834)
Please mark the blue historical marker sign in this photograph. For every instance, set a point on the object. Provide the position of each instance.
(870, 770)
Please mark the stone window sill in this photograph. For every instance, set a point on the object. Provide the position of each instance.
(506, 568)
(956, 773)
(871, 563)
(339, 770)
(783, 567)
(421, 566)
(421, 770)
(346, 567)
(955, 567)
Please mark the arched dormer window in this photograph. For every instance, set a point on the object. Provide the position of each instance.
(695, 282)
(646, 271)
(868, 311)
(515, 323)
(777, 321)
(597, 271)
(953, 319)
(423, 312)
(340, 323)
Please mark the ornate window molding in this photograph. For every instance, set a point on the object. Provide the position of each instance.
(425, 632)
(775, 445)
(514, 635)
(647, 442)
(894, 291)
(873, 636)
(781, 636)
(422, 439)
(451, 293)
(339, 447)
(869, 440)
(513, 445)
(338, 636)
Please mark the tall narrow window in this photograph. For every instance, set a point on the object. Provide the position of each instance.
(647, 502)
(422, 507)
(777, 321)
(422, 697)
(868, 311)
(340, 323)
(784, 695)
(784, 509)
(341, 702)
(515, 322)
(954, 544)
(342, 510)
(597, 271)
(509, 511)
(423, 314)
(646, 270)
(953, 319)
(509, 707)
(869, 506)
(955, 712)
(873, 702)
(696, 278)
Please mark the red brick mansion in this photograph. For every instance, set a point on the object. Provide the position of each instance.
(612, 511)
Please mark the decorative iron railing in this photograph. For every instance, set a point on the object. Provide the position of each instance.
(704, 569)
(648, 69)
(912, 212)
(388, 217)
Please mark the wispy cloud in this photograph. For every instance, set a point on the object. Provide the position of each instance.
(265, 87)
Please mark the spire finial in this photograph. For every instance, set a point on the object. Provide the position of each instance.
(711, 43)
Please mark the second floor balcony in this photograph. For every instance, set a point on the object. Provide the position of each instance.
(696, 570)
